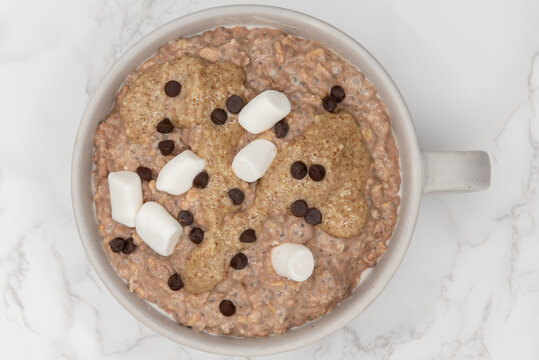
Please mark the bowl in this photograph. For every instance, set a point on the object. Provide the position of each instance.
(421, 172)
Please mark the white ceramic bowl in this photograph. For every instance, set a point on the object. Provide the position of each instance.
(421, 172)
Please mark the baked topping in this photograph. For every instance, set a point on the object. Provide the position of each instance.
(201, 180)
(329, 103)
(251, 162)
(313, 216)
(125, 196)
(166, 147)
(298, 170)
(117, 244)
(185, 217)
(264, 111)
(196, 235)
(165, 126)
(129, 246)
(338, 92)
(248, 236)
(236, 195)
(227, 308)
(144, 173)
(157, 228)
(172, 88)
(281, 129)
(234, 104)
(175, 282)
(317, 172)
(218, 116)
(239, 261)
(293, 261)
(178, 175)
(299, 208)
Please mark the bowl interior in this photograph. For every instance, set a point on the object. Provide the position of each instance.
(296, 24)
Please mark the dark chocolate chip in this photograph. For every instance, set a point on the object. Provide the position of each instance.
(117, 244)
(185, 217)
(236, 195)
(313, 216)
(144, 173)
(227, 308)
(173, 88)
(239, 261)
(338, 92)
(201, 180)
(248, 236)
(281, 129)
(196, 235)
(298, 170)
(299, 208)
(329, 103)
(218, 116)
(234, 104)
(129, 246)
(165, 126)
(166, 147)
(175, 282)
(317, 172)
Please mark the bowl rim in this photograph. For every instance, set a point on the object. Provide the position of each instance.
(349, 308)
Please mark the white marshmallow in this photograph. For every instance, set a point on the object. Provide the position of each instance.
(157, 228)
(176, 177)
(251, 162)
(264, 111)
(125, 196)
(293, 261)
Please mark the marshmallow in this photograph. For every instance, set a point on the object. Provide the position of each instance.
(251, 162)
(293, 261)
(157, 228)
(264, 111)
(176, 177)
(125, 196)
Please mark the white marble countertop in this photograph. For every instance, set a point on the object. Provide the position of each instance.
(469, 285)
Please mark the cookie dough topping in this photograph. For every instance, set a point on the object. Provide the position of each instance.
(178, 175)
(293, 261)
(264, 111)
(125, 196)
(251, 162)
(157, 228)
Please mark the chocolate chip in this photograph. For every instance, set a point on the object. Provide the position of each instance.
(281, 129)
(117, 244)
(317, 172)
(144, 173)
(196, 235)
(299, 208)
(185, 217)
(166, 147)
(313, 216)
(175, 282)
(236, 195)
(239, 261)
(201, 180)
(329, 103)
(173, 88)
(338, 93)
(165, 126)
(227, 308)
(218, 116)
(234, 104)
(298, 170)
(248, 236)
(129, 246)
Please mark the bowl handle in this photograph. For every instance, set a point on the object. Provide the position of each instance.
(455, 171)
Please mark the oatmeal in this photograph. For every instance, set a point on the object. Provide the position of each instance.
(333, 185)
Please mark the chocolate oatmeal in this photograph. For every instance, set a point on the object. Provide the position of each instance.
(332, 186)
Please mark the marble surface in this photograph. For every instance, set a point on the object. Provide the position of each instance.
(469, 285)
